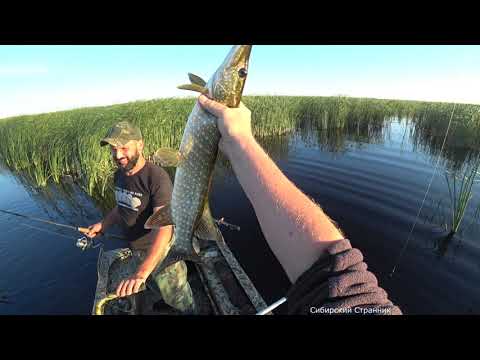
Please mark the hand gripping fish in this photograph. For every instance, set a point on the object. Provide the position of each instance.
(189, 210)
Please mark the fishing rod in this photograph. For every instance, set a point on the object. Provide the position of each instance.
(271, 307)
(83, 243)
(228, 225)
(83, 230)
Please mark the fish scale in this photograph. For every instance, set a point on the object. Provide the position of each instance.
(192, 176)
(195, 160)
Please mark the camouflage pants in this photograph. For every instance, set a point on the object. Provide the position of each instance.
(171, 282)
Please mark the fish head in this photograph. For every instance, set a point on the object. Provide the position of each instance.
(226, 85)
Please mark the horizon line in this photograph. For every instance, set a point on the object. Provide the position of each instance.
(247, 95)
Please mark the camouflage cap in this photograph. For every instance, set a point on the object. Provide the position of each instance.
(121, 133)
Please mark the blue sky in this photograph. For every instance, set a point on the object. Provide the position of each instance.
(35, 79)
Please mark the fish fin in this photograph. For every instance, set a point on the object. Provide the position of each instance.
(206, 228)
(195, 79)
(194, 87)
(162, 217)
(174, 255)
(167, 157)
(182, 249)
(195, 245)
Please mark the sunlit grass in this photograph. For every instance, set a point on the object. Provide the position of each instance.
(48, 146)
(460, 189)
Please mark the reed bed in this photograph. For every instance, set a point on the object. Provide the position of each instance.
(46, 147)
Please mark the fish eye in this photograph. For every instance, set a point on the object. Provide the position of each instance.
(242, 72)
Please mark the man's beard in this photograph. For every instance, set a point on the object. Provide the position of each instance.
(130, 165)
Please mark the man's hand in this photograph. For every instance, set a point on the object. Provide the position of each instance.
(94, 230)
(233, 123)
(131, 285)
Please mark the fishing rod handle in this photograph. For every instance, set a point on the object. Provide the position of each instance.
(101, 233)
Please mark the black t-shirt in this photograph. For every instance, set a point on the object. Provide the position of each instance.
(139, 194)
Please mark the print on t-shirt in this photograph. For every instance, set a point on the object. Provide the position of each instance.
(127, 198)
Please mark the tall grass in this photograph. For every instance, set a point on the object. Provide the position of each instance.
(47, 147)
(460, 188)
(463, 140)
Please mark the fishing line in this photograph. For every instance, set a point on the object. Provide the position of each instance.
(80, 229)
(38, 219)
(426, 193)
(47, 231)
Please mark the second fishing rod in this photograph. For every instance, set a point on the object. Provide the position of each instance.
(83, 230)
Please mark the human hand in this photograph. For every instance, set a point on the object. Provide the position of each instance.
(234, 124)
(94, 230)
(130, 286)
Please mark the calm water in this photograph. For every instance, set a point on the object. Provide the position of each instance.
(371, 184)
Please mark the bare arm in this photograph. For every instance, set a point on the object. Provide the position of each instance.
(296, 229)
(156, 252)
(111, 218)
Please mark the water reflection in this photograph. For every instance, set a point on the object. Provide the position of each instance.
(70, 203)
(355, 132)
(462, 141)
(67, 202)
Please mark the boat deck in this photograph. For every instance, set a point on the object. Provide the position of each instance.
(219, 284)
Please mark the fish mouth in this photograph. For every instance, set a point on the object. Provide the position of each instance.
(242, 55)
(236, 62)
(246, 50)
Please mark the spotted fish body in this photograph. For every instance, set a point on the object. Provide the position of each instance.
(189, 209)
(192, 179)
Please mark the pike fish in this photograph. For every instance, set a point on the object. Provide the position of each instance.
(189, 209)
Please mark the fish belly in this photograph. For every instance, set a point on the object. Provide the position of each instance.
(199, 147)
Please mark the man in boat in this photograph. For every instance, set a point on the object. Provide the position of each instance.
(328, 275)
(142, 188)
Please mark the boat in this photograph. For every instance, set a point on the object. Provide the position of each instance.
(219, 284)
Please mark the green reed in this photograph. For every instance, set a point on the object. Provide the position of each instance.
(460, 190)
(463, 141)
(46, 147)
